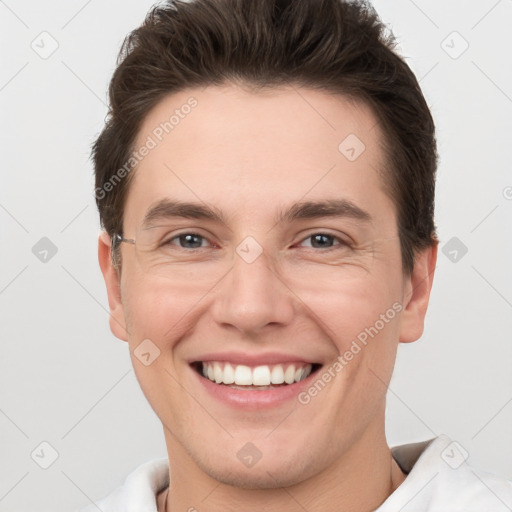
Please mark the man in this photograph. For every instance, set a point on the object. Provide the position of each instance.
(265, 182)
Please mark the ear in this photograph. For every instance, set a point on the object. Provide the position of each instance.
(112, 282)
(417, 288)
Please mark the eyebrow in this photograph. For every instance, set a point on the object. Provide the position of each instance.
(167, 208)
(328, 208)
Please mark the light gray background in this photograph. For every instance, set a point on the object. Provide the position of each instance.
(66, 380)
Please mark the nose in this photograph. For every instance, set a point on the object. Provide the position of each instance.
(253, 296)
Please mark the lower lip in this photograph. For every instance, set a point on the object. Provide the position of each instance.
(254, 399)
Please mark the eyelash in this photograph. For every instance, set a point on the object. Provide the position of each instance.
(340, 241)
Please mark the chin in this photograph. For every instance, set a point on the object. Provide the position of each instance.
(270, 474)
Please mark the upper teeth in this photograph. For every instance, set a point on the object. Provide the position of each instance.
(264, 375)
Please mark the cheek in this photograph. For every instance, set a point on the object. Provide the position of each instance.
(157, 316)
(361, 318)
(350, 307)
(158, 309)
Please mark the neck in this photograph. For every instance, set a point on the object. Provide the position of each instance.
(360, 480)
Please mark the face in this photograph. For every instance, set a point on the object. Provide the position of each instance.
(286, 265)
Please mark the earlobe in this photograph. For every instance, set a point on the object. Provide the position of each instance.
(417, 293)
(112, 281)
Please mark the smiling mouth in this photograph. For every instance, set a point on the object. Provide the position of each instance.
(261, 377)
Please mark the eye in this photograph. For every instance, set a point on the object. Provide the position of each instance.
(324, 241)
(188, 241)
(196, 241)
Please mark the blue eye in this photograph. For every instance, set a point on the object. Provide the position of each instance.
(324, 241)
(196, 241)
(188, 240)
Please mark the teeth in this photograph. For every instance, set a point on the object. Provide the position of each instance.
(229, 374)
(243, 375)
(263, 375)
(277, 375)
(218, 374)
(289, 374)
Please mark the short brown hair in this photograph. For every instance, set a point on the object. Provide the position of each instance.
(337, 46)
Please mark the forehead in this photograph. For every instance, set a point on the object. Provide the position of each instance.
(256, 151)
(231, 114)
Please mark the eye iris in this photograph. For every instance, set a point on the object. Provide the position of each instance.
(321, 240)
(194, 240)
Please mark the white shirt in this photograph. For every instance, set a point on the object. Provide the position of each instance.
(438, 480)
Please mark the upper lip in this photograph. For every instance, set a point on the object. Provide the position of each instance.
(264, 358)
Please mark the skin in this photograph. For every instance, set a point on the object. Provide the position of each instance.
(251, 155)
